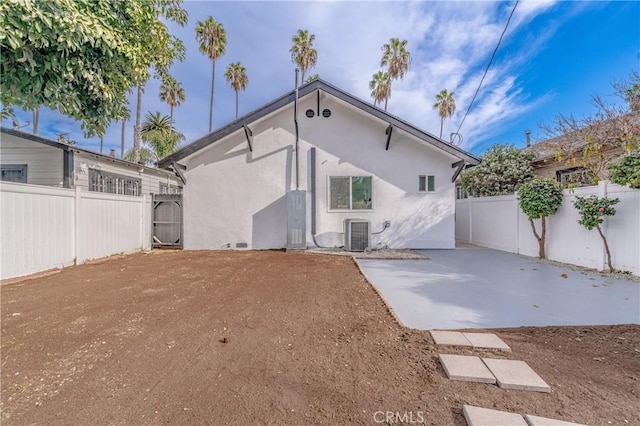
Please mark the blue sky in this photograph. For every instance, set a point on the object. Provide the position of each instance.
(554, 56)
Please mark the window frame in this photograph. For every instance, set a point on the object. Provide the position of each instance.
(119, 182)
(426, 184)
(169, 189)
(350, 209)
(23, 168)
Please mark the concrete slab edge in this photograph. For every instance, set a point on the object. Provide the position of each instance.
(379, 293)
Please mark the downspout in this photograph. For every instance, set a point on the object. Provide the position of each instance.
(295, 121)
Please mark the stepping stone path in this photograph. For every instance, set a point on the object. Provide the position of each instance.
(475, 340)
(543, 421)
(466, 369)
(477, 416)
(516, 375)
(508, 374)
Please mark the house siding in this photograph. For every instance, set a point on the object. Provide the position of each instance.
(237, 196)
(44, 163)
(150, 180)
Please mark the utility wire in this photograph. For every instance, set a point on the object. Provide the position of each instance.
(489, 64)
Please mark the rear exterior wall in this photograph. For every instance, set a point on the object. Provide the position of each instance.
(235, 196)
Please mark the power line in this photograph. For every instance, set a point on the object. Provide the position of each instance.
(489, 64)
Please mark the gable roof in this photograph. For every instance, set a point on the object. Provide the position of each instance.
(304, 90)
(66, 147)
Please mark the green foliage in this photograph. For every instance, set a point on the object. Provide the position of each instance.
(83, 57)
(540, 197)
(626, 170)
(503, 170)
(159, 136)
(303, 54)
(593, 209)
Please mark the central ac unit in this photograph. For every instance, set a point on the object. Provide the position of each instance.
(357, 234)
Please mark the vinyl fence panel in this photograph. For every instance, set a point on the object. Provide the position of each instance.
(43, 227)
(498, 223)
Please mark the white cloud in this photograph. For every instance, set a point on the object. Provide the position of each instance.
(450, 42)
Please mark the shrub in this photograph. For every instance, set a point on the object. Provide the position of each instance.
(540, 198)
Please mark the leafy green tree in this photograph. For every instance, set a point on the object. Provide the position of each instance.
(213, 42)
(236, 75)
(172, 92)
(540, 198)
(592, 210)
(303, 54)
(380, 86)
(446, 106)
(626, 170)
(503, 170)
(83, 57)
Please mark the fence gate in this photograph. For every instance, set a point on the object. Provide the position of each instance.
(167, 220)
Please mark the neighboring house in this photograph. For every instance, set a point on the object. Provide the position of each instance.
(248, 187)
(29, 158)
(563, 157)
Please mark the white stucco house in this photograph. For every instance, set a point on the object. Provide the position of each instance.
(264, 181)
(33, 159)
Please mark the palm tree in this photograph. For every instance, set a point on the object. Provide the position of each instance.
(380, 87)
(136, 128)
(445, 105)
(159, 135)
(236, 75)
(302, 52)
(213, 43)
(396, 57)
(171, 92)
(36, 119)
(311, 78)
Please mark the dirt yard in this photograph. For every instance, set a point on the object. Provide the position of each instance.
(189, 338)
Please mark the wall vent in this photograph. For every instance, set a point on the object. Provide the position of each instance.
(357, 234)
(326, 113)
(309, 113)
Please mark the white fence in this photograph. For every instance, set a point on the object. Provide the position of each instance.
(43, 227)
(498, 223)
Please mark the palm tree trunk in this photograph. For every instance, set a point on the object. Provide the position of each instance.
(36, 119)
(124, 122)
(171, 114)
(302, 81)
(385, 103)
(441, 125)
(213, 79)
(101, 142)
(136, 129)
(236, 104)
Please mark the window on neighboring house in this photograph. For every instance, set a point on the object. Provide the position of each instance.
(101, 181)
(14, 172)
(350, 193)
(575, 176)
(170, 189)
(426, 183)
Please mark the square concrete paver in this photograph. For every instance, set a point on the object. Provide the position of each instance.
(516, 375)
(486, 341)
(477, 416)
(466, 368)
(452, 338)
(543, 421)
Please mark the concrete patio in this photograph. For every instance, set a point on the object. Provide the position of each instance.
(474, 287)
